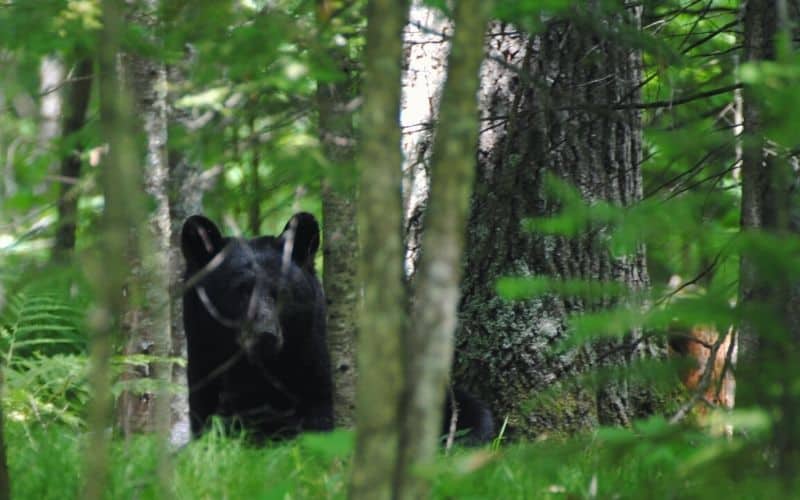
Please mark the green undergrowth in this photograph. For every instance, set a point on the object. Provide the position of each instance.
(653, 460)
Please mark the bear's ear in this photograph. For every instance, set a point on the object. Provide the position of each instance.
(304, 230)
(200, 240)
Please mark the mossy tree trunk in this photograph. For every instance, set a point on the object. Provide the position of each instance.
(429, 341)
(382, 313)
(549, 118)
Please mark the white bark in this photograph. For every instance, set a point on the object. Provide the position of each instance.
(426, 47)
(51, 76)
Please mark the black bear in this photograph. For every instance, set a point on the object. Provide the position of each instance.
(254, 315)
(474, 420)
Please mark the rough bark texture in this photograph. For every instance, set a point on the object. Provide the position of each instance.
(757, 170)
(340, 236)
(382, 315)
(547, 119)
(341, 291)
(147, 326)
(426, 44)
(429, 341)
(77, 102)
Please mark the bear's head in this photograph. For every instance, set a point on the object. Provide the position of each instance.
(253, 288)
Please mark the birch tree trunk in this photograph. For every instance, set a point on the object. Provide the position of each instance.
(382, 314)
(51, 76)
(543, 113)
(429, 342)
(426, 45)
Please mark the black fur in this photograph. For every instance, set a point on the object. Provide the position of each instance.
(255, 328)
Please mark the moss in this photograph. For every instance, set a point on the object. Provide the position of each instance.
(563, 409)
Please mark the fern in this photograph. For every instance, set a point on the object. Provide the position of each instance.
(43, 351)
(44, 323)
(45, 389)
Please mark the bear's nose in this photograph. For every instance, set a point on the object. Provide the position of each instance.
(271, 340)
(268, 333)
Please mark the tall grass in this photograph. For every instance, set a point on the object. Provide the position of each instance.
(45, 463)
(653, 460)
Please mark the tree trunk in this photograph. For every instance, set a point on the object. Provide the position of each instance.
(426, 45)
(770, 205)
(119, 177)
(382, 315)
(151, 332)
(51, 76)
(429, 342)
(147, 326)
(78, 93)
(186, 185)
(341, 292)
(545, 119)
(758, 210)
(339, 233)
